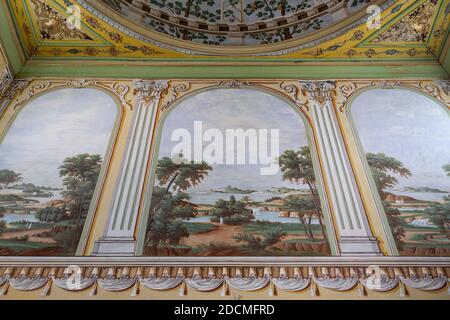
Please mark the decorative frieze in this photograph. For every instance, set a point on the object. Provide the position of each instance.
(205, 279)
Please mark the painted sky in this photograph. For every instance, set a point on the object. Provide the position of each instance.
(53, 127)
(232, 109)
(410, 127)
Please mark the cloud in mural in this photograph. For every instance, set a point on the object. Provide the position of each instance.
(53, 127)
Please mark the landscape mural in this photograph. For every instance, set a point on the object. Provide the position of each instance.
(199, 208)
(50, 160)
(406, 138)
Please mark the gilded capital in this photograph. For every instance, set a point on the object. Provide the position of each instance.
(320, 91)
(150, 89)
(6, 79)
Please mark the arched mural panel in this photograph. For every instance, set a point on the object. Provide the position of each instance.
(249, 186)
(405, 137)
(50, 161)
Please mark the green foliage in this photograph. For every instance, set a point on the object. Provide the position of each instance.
(165, 225)
(382, 168)
(447, 169)
(395, 222)
(190, 8)
(193, 227)
(268, 9)
(440, 216)
(52, 214)
(233, 212)
(270, 238)
(298, 167)
(167, 210)
(303, 206)
(2, 225)
(181, 176)
(8, 176)
(80, 174)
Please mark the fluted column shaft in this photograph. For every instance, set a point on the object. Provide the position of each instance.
(354, 234)
(119, 238)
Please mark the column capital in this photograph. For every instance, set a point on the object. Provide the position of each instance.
(319, 91)
(9, 87)
(150, 89)
(6, 79)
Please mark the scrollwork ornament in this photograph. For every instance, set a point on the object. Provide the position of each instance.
(177, 90)
(6, 80)
(32, 91)
(293, 92)
(121, 90)
(80, 83)
(234, 84)
(345, 91)
(433, 90)
(445, 85)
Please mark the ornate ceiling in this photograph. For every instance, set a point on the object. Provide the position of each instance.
(295, 30)
(237, 22)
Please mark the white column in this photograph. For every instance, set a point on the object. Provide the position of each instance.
(354, 234)
(119, 239)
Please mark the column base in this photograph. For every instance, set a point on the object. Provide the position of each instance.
(359, 246)
(115, 246)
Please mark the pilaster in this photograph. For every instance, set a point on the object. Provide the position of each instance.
(354, 234)
(119, 238)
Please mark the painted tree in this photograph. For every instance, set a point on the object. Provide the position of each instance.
(80, 174)
(268, 239)
(181, 175)
(167, 210)
(166, 225)
(297, 167)
(303, 206)
(269, 9)
(440, 213)
(384, 169)
(440, 216)
(447, 169)
(232, 212)
(8, 177)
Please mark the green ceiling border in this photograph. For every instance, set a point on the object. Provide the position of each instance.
(349, 71)
(10, 40)
(444, 59)
(330, 69)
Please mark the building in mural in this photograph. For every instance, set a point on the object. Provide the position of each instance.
(201, 149)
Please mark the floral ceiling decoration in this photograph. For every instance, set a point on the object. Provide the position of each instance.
(298, 30)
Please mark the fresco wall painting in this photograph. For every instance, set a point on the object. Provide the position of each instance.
(406, 140)
(230, 208)
(50, 161)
